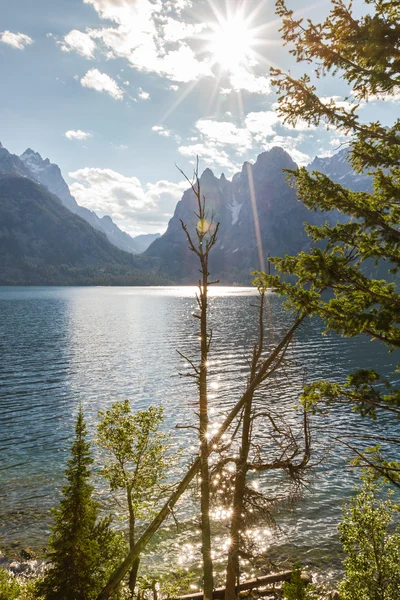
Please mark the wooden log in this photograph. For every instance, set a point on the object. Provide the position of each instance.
(250, 584)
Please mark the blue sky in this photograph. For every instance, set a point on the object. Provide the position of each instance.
(118, 91)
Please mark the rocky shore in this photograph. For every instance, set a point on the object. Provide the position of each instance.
(28, 567)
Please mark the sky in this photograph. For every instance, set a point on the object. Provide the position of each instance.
(119, 92)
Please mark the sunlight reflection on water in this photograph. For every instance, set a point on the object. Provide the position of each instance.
(61, 347)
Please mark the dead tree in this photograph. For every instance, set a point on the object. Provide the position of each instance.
(206, 233)
(265, 367)
(291, 456)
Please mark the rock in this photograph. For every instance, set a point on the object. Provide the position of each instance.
(26, 554)
(15, 567)
(27, 569)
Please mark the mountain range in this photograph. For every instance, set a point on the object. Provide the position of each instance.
(46, 237)
(43, 242)
(30, 164)
(259, 215)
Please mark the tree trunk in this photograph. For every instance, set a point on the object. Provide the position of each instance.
(135, 566)
(232, 571)
(237, 522)
(204, 470)
(133, 576)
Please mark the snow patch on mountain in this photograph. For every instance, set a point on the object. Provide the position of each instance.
(235, 210)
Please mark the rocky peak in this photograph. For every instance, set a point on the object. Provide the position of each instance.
(208, 177)
(275, 158)
(34, 162)
(243, 176)
(247, 166)
(11, 164)
(31, 155)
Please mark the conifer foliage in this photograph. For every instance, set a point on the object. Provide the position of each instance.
(81, 546)
(357, 259)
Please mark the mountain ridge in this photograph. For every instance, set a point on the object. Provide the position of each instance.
(49, 174)
(257, 203)
(43, 243)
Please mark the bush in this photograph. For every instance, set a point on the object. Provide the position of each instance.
(297, 588)
(371, 542)
(9, 586)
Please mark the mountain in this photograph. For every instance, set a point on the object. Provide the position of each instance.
(259, 193)
(12, 164)
(142, 242)
(42, 242)
(45, 240)
(49, 174)
(279, 215)
(339, 169)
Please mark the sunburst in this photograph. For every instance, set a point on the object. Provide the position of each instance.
(231, 42)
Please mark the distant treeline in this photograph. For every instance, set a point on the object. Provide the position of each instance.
(31, 274)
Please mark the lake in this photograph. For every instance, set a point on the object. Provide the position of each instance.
(65, 347)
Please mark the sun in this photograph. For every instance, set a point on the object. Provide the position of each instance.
(231, 42)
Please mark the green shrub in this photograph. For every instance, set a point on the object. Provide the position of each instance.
(371, 541)
(297, 588)
(9, 586)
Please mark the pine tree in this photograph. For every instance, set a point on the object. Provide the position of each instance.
(338, 278)
(81, 546)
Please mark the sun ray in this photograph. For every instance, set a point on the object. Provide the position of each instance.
(179, 101)
(232, 22)
(214, 93)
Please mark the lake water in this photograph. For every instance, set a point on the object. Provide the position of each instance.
(62, 347)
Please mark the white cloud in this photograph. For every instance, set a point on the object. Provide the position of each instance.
(209, 154)
(143, 95)
(224, 133)
(178, 5)
(289, 143)
(174, 30)
(102, 83)
(220, 143)
(77, 134)
(392, 98)
(337, 141)
(337, 102)
(161, 130)
(261, 124)
(122, 11)
(79, 42)
(180, 65)
(154, 37)
(143, 34)
(133, 206)
(218, 140)
(16, 40)
(242, 79)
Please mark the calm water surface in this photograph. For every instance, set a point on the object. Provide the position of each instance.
(62, 347)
